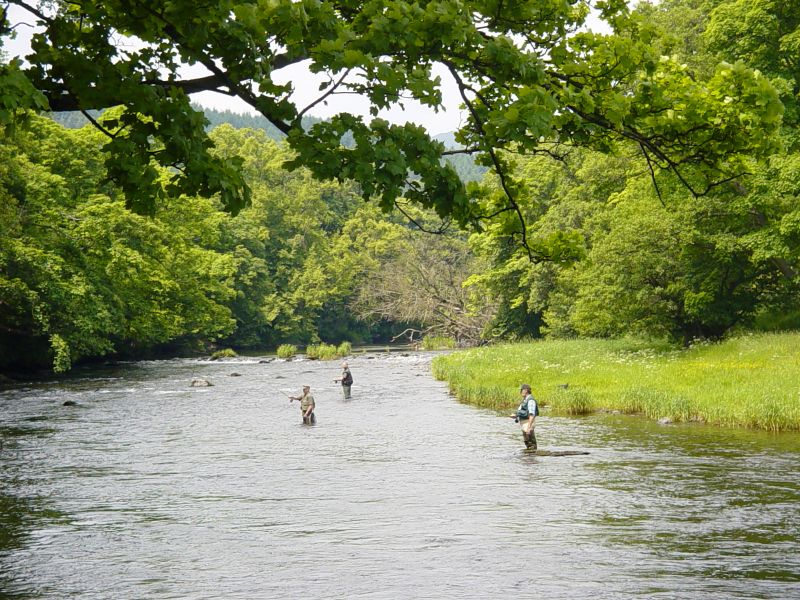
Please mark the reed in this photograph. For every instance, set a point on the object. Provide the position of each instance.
(749, 381)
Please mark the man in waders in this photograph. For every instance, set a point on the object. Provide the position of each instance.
(526, 415)
(346, 379)
(307, 405)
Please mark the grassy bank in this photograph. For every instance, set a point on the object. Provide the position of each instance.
(751, 381)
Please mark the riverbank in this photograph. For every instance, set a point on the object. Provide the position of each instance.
(751, 381)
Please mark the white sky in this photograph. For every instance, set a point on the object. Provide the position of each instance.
(306, 85)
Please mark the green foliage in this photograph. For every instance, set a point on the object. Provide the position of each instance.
(224, 353)
(529, 75)
(82, 276)
(593, 141)
(322, 352)
(18, 94)
(325, 351)
(286, 351)
(778, 321)
(655, 261)
(748, 381)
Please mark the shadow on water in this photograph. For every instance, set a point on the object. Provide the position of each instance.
(20, 517)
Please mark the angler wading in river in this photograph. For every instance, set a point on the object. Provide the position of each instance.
(526, 415)
(346, 379)
(307, 405)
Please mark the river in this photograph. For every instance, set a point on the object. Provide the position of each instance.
(150, 488)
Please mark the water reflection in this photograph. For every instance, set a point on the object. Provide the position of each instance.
(154, 489)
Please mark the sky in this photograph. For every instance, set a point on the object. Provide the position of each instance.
(306, 86)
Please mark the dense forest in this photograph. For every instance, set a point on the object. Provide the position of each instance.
(613, 245)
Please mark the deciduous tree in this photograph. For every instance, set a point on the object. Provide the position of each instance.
(528, 73)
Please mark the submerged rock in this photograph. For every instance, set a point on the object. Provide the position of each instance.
(665, 421)
(200, 382)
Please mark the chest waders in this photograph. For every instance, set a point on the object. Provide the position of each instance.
(523, 413)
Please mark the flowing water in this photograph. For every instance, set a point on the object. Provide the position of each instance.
(150, 488)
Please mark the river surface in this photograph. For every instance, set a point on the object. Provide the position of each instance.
(150, 488)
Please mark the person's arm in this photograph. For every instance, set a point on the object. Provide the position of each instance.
(529, 425)
(532, 412)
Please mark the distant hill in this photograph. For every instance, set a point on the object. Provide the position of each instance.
(448, 139)
(244, 121)
(75, 120)
(463, 164)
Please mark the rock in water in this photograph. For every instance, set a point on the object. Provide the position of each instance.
(200, 382)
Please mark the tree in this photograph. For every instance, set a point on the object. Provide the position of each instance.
(421, 283)
(528, 74)
(81, 276)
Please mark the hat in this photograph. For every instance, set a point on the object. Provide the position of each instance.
(305, 385)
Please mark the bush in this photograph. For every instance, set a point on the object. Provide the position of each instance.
(286, 350)
(325, 351)
(224, 353)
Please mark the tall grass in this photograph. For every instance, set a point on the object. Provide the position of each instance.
(750, 381)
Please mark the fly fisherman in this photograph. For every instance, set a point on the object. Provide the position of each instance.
(307, 405)
(346, 379)
(526, 415)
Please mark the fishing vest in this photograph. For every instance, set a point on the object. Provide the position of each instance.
(347, 378)
(523, 412)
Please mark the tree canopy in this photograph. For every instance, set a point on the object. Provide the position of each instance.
(532, 79)
(655, 259)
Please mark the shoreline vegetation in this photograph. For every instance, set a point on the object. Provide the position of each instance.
(751, 381)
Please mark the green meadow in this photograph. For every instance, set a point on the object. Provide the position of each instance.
(751, 381)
